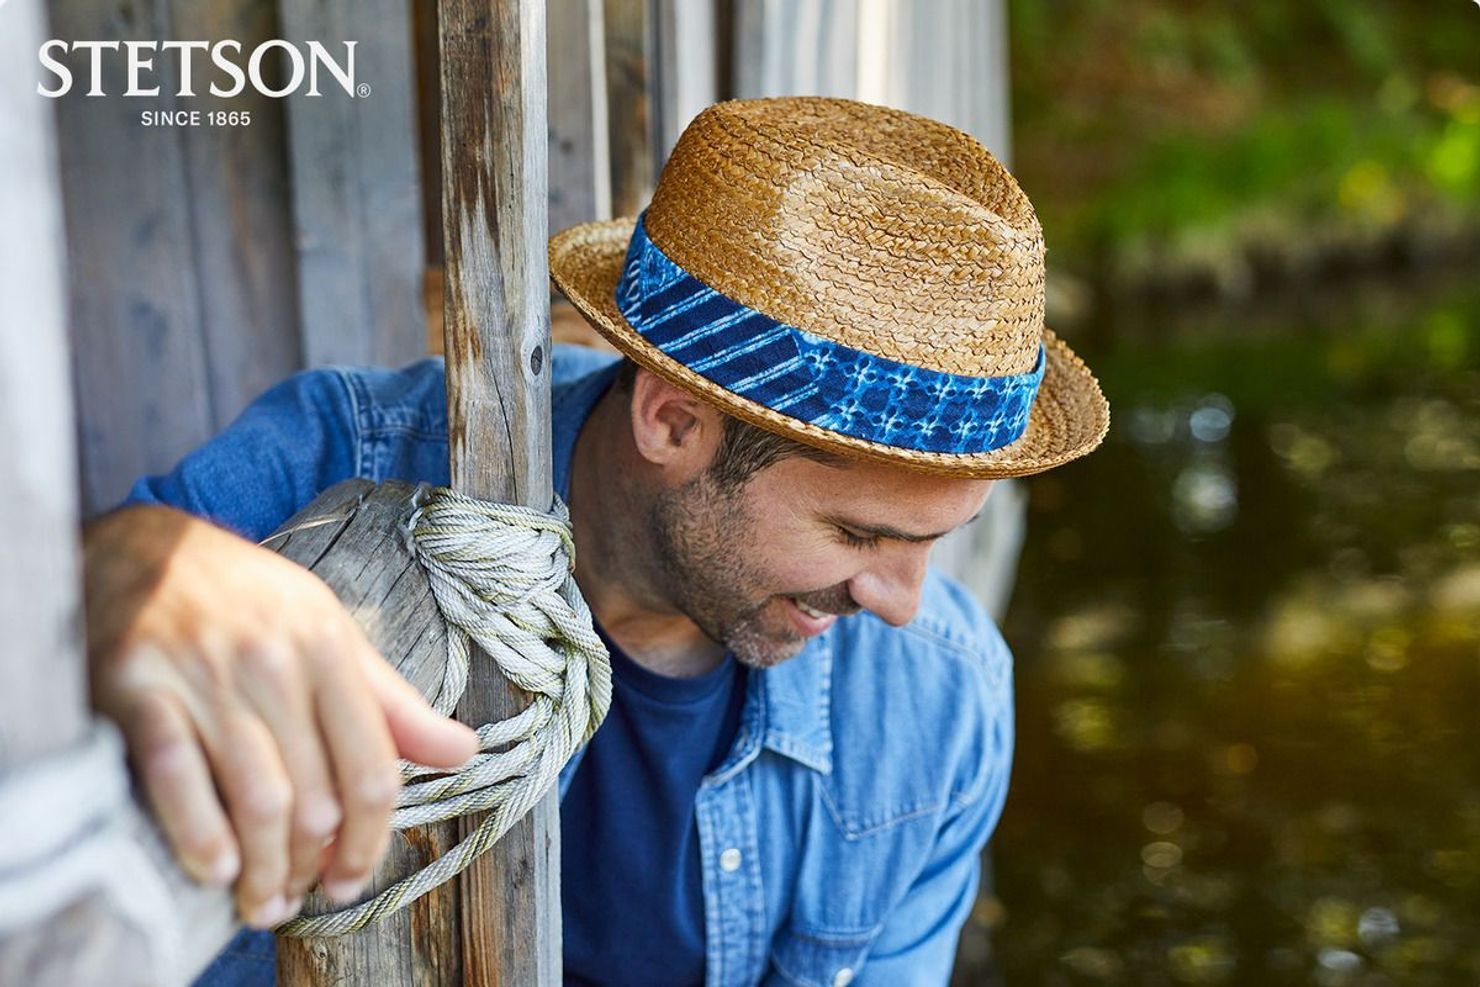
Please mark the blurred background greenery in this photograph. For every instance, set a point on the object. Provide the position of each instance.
(1248, 629)
(1212, 145)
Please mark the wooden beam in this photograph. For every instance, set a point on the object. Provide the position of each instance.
(499, 923)
(361, 554)
(43, 681)
(240, 224)
(494, 201)
(357, 207)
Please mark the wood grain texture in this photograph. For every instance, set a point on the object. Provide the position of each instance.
(630, 102)
(580, 152)
(42, 684)
(357, 204)
(505, 929)
(429, 126)
(352, 537)
(43, 692)
(807, 49)
(241, 223)
(181, 273)
(686, 68)
(143, 381)
(496, 317)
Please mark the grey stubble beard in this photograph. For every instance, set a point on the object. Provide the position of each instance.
(694, 533)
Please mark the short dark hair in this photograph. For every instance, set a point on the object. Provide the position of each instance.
(744, 449)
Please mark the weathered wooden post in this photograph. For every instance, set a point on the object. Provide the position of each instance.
(499, 922)
(630, 40)
(75, 906)
(43, 683)
(496, 312)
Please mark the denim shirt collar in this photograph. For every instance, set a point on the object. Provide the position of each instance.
(788, 706)
(797, 697)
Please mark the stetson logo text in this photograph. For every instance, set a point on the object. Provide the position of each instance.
(222, 69)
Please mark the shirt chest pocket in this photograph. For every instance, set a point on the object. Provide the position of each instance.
(802, 957)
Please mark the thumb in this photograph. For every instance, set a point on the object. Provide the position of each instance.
(421, 734)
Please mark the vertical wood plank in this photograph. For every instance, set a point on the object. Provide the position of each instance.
(419, 944)
(429, 127)
(505, 929)
(181, 283)
(240, 222)
(580, 152)
(356, 193)
(630, 103)
(494, 198)
(43, 692)
(685, 67)
(42, 682)
(797, 47)
(143, 381)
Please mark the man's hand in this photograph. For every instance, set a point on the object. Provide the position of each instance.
(260, 719)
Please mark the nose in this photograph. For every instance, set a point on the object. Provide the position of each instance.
(891, 589)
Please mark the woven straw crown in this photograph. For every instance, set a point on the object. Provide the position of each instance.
(871, 227)
(883, 232)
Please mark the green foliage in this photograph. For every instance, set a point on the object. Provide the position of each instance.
(1323, 157)
(1143, 122)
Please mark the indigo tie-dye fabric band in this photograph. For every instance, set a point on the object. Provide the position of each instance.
(812, 379)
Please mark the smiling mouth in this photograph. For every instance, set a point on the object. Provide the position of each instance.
(811, 611)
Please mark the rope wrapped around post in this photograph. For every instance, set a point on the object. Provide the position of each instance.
(503, 578)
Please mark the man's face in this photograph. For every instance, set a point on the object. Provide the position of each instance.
(764, 566)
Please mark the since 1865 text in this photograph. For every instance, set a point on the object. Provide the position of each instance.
(196, 118)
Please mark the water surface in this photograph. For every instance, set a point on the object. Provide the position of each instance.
(1248, 643)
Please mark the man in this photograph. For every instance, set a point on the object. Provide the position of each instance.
(833, 319)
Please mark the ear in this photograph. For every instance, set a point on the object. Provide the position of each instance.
(671, 428)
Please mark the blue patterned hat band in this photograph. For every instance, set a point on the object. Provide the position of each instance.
(812, 379)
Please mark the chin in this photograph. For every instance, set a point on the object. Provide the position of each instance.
(765, 652)
(760, 640)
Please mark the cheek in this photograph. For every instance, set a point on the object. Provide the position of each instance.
(796, 563)
(788, 549)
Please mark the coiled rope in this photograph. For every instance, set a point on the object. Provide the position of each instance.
(503, 579)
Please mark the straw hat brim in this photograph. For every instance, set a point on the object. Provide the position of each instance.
(1069, 418)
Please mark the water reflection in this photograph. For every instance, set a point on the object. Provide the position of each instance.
(1248, 635)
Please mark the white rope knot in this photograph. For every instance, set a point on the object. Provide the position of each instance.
(502, 578)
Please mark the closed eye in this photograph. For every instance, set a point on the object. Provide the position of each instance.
(855, 540)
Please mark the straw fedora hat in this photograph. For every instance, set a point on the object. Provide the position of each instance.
(857, 278)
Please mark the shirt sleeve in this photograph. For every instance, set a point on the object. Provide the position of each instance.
(917, 946)
(297, 439)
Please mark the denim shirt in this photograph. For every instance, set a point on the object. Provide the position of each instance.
(840, 840)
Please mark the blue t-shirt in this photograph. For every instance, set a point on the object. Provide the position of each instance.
(630, 873)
